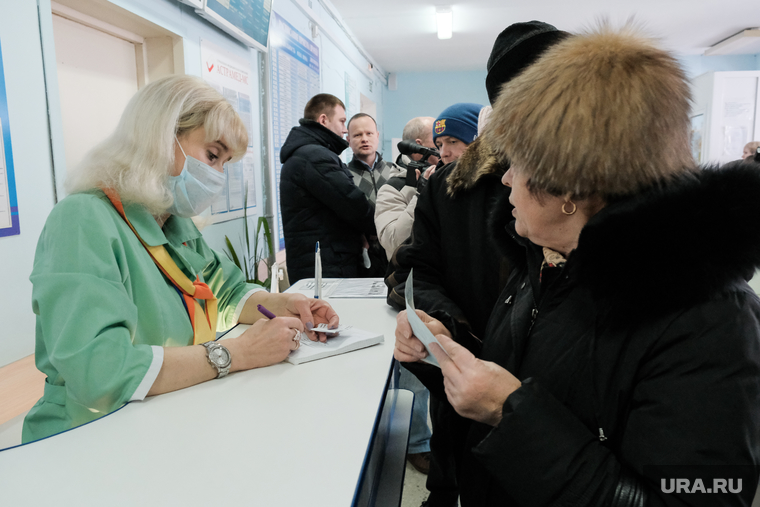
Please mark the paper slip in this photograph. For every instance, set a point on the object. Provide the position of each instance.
(360, 288)
(349, 340)
(420, 330)
(328, 285)
(322, 328)
(346, 287)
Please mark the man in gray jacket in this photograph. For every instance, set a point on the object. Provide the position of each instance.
(369, 172)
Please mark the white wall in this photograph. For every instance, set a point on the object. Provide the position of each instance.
(696, 65)
(27, 111)
(182, 20)
(428, 94)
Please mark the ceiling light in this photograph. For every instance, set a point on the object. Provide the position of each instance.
(746, 42)
(443, 20)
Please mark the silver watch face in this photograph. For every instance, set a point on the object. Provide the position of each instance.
(220, 356)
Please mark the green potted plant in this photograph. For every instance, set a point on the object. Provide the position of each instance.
(251, 256)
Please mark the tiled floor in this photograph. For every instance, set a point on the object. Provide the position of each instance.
(414, 487)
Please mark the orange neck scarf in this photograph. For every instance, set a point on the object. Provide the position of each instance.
(202, 320)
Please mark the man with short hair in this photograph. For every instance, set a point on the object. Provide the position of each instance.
(420, 130)
(318, 199)
(369, 172)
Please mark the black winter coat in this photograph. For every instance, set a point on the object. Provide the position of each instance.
(458, 274)
(458, 271)
(319, 202)
(643, 350)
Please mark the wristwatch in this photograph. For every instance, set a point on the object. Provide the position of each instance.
(219, 357)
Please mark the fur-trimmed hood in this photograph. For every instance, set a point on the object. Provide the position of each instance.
(669, 247)
(477, 161)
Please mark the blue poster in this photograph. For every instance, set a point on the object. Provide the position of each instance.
(294, 76)
(9, 225)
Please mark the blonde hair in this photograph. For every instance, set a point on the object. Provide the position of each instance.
(137, 158)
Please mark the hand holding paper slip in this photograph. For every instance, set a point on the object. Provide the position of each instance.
(420, 329)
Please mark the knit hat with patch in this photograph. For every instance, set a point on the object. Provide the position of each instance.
(515, 48)
(459, 120)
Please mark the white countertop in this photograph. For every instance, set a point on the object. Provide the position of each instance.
(277, 436)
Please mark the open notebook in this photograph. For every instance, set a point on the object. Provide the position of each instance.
(348, 340)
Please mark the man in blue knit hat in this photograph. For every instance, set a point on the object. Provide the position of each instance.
(455, 128)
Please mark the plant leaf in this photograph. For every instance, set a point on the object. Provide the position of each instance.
(231, 253)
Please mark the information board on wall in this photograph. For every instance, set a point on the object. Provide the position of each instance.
(294, 65)
(9, 222)
(230, 76)
(248, 20)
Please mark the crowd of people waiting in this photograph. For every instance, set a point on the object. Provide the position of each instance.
(585, 278)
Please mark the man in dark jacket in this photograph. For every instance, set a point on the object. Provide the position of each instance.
(458, 274)
(318, 199)
(369, 172)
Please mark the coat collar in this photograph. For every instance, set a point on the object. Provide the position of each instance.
(362, 166)
(477, 161)
(670, 247)
(324, 136)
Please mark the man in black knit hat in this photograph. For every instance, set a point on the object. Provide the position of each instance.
(458, 273)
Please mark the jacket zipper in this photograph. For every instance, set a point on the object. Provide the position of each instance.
(534, 312)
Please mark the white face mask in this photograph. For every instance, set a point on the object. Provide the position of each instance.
(195, 188)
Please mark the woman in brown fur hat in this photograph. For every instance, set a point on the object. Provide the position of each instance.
(621, 365)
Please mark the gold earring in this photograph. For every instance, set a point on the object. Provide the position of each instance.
(571, 211)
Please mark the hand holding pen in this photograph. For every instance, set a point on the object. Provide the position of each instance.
(312, 312)
(265, 343)
(269, 315)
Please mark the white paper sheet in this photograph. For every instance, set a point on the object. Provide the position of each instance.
(420, 329)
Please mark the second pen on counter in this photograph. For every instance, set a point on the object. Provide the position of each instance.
(317, 273)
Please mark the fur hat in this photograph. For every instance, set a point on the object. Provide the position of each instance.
(519, 45)
(459, 120)
(604, 112)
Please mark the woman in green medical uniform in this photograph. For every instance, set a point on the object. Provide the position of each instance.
(128, 295)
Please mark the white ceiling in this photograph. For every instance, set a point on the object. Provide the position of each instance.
(400, 35)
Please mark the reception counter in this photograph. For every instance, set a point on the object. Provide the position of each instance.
(332, 432)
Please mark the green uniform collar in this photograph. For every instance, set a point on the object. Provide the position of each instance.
(176, 230)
